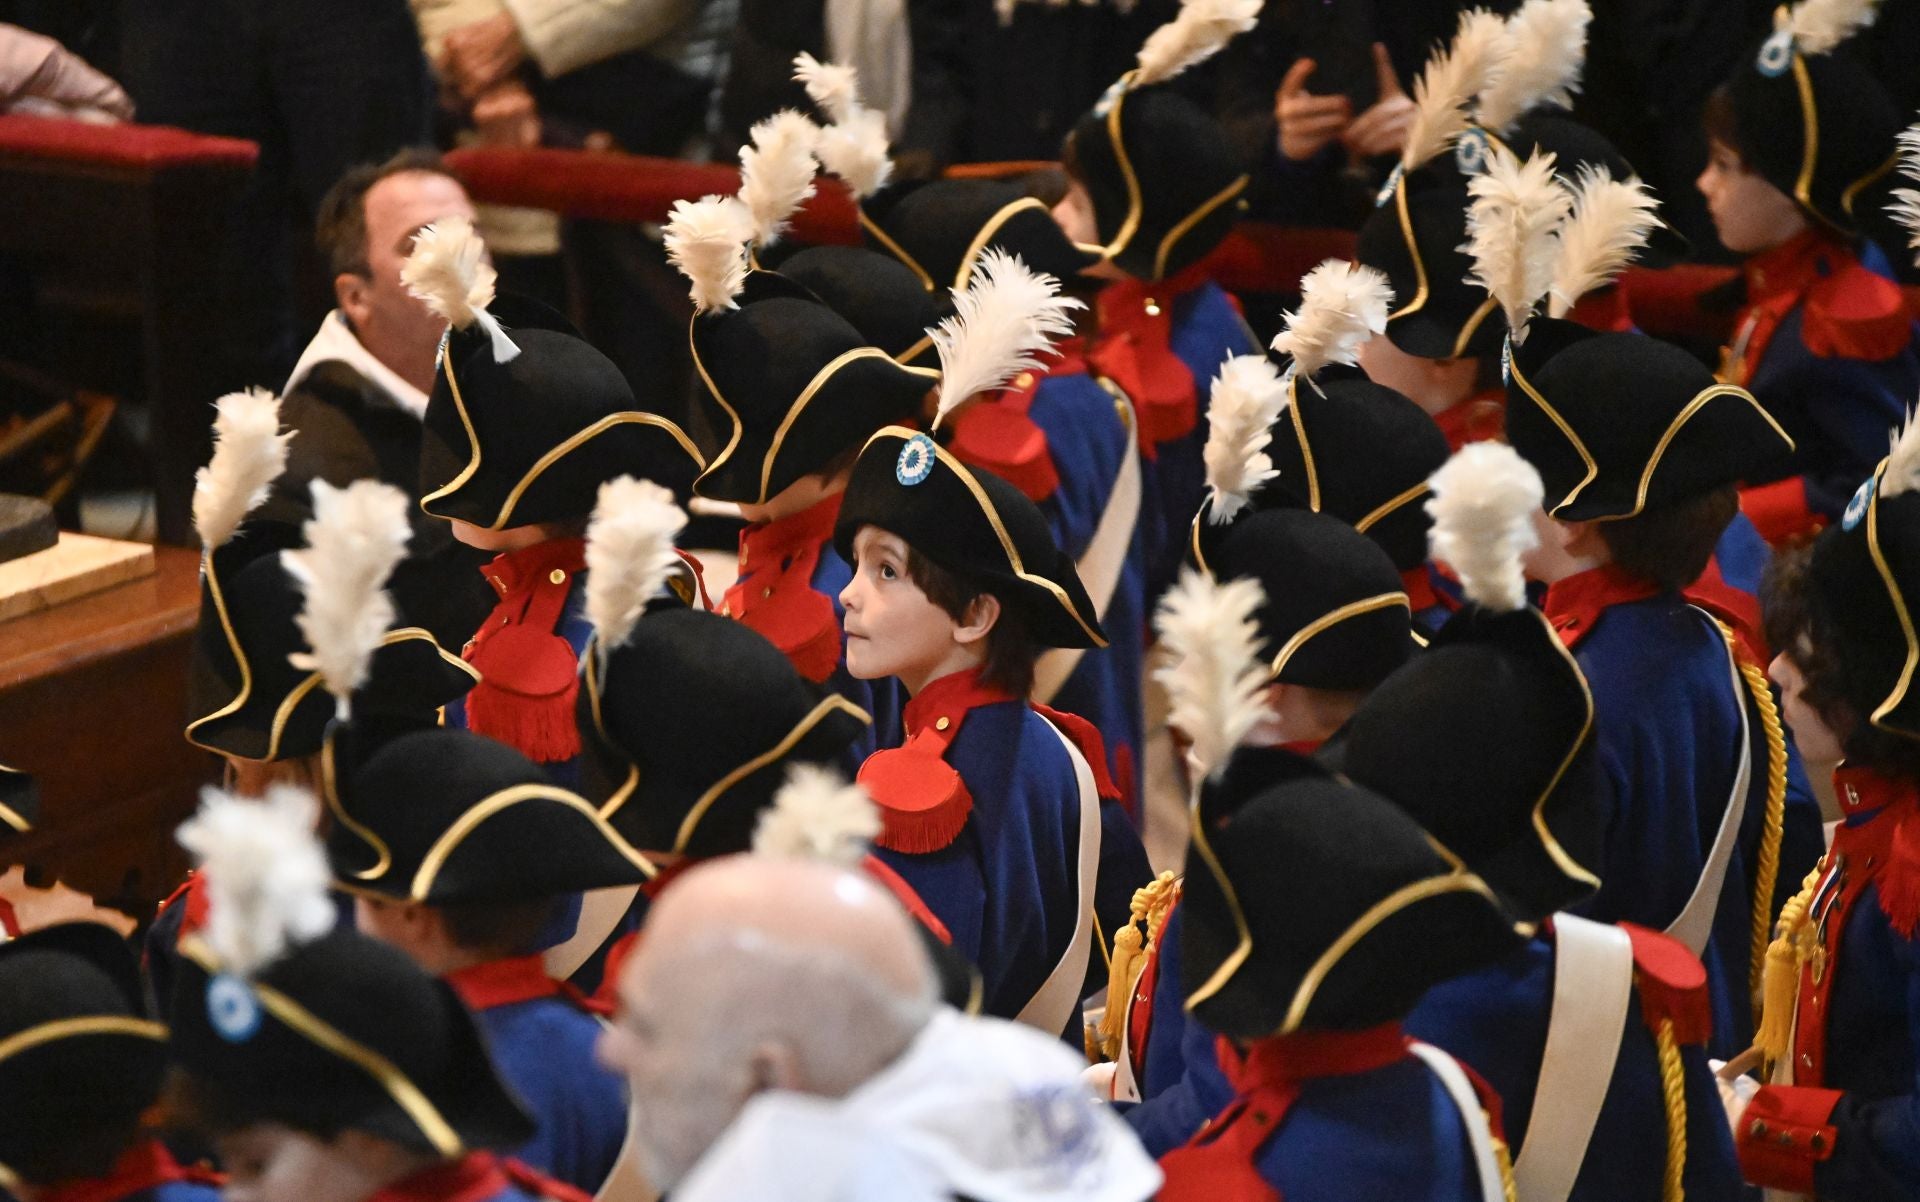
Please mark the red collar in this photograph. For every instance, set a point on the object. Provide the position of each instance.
(1418, 586)
(1124, 302)
(140, 1168)
(1792, 267)
(507, 982)
(474, 1177)
(512, 572)
(1574, 605)
(807, 530)
(944, 703)
(1481, 417)
(1219, 1162)
(1864, 794)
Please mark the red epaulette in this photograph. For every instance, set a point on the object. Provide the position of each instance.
(997, 434)
(529, 675)
(774, 593)
(192, 893)
(1855, 314)
(692, 585)
(924, 805)
(1086, 739)
(1899, 882)
(539, 1184)
(1672, 985)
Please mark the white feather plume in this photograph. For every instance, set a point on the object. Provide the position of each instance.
(1546, 52)
(1902, 474)
(356, 537)
(835, 87)
(1483, 503)
(249, 453)
(266, 875)
(707, 240)
(1215, 682)
(1471, 63)
(1005, 319)
(1610, 220)
(1246, 400)
(448, 270)
(1197, 32)
(1906, 201)
(1820, 25)
(776, 172)
(1342, 305)
(817, 815)
(1512, 231)
(855, 146)
(629, 554)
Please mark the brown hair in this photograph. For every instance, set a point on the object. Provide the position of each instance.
(1721, 122)
(1795, 628)
(498, 928)
(1010, 646)
(1671, 545)
(340, 230)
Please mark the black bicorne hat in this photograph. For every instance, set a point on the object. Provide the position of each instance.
(1865, 578)
(1165, 181)
(1361, 452)
(1819, 127)
(1335, 614)
(794, 385)
(1576, 146)
(452, 816)
(247, 699)
(1617, 423)
(971, 522)
(19, 802)
(1486, 740)
(1314, 904)
(76, 1043)
(689, 727)
(1416, 238)
(343, 1033)
(532, 439)
(938, 229)
(877, 295)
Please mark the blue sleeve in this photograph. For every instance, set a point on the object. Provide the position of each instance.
(1181, 1083)
(1876, 1146)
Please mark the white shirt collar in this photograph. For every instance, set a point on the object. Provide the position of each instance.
(336, 342)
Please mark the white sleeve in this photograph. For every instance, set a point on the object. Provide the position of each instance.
(565, 35)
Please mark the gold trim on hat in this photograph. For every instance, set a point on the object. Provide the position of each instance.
(1694, 406)
(1566, 430)
(895, 249)
(1386, 508)
(1327, 621)
(411, 1099)
(1854, 189)
(1561, 858)
(1306, 444)
(985, 235)
(1130, 224)
(14, 819)
(1455, 881)
(1421, 291)
(330, 793)
(706, 801)
(212, 579)
(914, 352)
(1472, 327)
(1186, 224)
(473, 438)
(1197, 830)
(992, 515)
(71, 1028)
(494, 803)
(1899, 600)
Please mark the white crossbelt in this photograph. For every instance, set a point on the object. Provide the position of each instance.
(1695, 924)
(1479, 1134)
(1101, 563)
(1058, 998)
(1592, 990)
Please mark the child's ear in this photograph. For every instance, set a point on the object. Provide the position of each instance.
(982, 612)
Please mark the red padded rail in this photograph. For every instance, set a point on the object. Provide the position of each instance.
(138, 147)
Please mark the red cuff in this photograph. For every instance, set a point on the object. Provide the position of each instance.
(1779, 510)
(1784, 1133)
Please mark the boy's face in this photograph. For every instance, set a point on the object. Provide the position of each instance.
(1818, 742)
(1749, 214)
(893, 629)
(1075, 217)
(267, 1162)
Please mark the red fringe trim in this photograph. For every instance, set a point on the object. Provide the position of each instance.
(924, 805)
(544, 729)
(1899, 883)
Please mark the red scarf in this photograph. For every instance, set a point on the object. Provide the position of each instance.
(514, 980)
(1221, 1162)
(142, 1167)
(529, 674)
(1134, 348)
(1574, 605)
(774, 594)
(475, 1177)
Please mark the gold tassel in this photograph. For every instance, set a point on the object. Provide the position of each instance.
(1788, 952)
(1131, 945)
(1767, 870)
(1503, 1160)
(1674, 1086)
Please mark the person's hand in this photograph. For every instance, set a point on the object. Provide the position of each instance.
(1382, 129)
(1098, 1078)
(507, 116)
(1307, 122)
(476, 57)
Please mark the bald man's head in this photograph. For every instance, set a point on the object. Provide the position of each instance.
(755, 974)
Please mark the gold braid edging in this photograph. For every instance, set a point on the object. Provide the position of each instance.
(1674, 1087)
(1767, 871)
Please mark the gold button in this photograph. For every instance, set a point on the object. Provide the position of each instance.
(557, 576)
(1024, 380)
(765, 593)
(943, 723)
(1153, 307)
